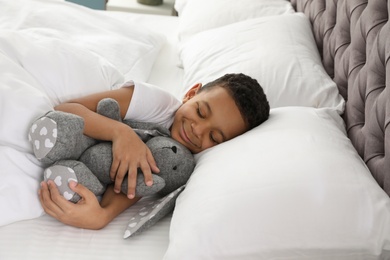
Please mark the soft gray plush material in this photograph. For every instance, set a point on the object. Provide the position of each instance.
(74, 156)
(71, 144)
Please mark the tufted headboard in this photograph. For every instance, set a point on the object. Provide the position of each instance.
(353, 37)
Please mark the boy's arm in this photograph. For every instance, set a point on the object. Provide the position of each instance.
(125, 160)
(87, 213)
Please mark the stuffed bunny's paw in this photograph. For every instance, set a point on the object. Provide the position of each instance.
(62, 175)
(70, 170)
(43, 136)
(58, 136)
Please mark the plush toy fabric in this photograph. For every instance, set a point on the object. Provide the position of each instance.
(58, 142)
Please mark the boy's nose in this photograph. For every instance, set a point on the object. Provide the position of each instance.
(199, 128)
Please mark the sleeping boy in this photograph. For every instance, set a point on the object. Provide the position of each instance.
(208, 115)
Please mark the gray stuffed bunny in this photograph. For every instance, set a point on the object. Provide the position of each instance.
(58, 142)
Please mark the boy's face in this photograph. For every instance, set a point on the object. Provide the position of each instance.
(207, 119)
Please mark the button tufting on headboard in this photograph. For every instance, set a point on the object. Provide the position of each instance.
(353, 38)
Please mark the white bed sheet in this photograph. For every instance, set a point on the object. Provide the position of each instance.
(46, 238)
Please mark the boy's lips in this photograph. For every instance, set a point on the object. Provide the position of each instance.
(185, 137)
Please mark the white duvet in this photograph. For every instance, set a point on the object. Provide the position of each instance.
(49, 54)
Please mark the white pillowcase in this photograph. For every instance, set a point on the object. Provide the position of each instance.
(292, 188)
(180, 5)
(278, 51)
(200, 15)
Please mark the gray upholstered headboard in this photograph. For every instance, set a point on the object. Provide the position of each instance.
(353, 37)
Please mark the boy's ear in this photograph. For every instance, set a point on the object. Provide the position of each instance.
(192, 92)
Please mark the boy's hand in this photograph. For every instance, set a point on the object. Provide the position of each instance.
(82, 214)
(77, 215)
(129, 154)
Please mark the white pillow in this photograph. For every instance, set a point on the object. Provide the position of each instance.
(279, 51)
(200, 15)
(292, 188)
(179, 5)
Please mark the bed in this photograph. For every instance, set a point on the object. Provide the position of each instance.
(312, 182)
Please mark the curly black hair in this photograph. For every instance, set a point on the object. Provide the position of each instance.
(248, 95)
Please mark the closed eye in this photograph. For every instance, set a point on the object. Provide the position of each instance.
(199, 112)
(213, 139)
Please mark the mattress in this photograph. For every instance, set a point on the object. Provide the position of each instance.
(46, 238)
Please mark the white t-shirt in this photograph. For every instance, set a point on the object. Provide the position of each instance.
(151, 104)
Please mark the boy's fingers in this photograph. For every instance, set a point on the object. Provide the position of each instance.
(147, 174)
(44, 198)
(114, 169)
(81, 190)
(152, 162)
(131, 182)
(120, 175)
(51, 200)
(60, 202)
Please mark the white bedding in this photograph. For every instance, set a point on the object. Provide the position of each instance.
(293, 188)
(47, 63)
(46, 238)
(24, 233)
